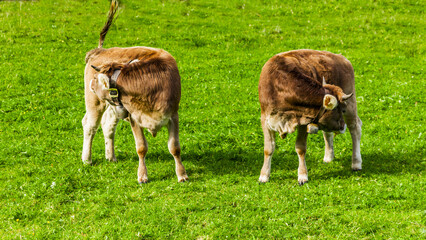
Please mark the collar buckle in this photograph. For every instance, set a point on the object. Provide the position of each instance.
(113, 92)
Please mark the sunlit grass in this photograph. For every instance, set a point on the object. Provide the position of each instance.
(220, 47)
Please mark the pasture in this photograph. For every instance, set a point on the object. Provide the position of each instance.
(220, 48)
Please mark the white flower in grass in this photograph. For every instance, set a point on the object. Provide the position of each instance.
(53, 185)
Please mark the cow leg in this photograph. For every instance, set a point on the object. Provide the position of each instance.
(302, 136)
(109, 123)
(174, 147)
(268, 151)
(354, 124)
(329, 149)
(141, 149)
(90, 122)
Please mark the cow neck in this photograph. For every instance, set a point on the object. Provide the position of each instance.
(319, 115)
(113, 91)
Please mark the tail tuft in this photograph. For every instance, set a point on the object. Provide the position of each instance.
(112, 11)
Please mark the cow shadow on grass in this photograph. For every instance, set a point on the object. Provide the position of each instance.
(238, 161)
(373, 165)
(201, 165)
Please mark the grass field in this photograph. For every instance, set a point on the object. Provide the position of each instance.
(220, 47)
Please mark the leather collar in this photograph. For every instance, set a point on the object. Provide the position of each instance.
(113, 91)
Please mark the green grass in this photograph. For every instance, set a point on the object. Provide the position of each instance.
(220, 47)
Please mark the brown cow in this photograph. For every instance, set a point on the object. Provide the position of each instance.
(138, 84)
(305, 90)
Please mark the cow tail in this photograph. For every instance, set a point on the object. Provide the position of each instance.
(112, 11)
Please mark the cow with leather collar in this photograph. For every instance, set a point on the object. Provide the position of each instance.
(308, 90)
(138, 84)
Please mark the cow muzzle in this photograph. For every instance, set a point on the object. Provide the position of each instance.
(312, 128)
(342, 129)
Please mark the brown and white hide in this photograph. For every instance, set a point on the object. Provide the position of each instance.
(149, 90)
(299, 86)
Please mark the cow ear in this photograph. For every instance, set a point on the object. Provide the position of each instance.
(103, 81)
(91, 86)
(329, 102)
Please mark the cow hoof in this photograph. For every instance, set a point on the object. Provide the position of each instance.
(87, 162)
(327, 159)
(183, 178)
(263, 179)
(301, 183)
(142, 180)
(356, 170)
(356, 167)
(302, 180)
(114, 159)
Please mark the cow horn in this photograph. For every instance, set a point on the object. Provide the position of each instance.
(133, 61)
(96, 68)
(347, 96)
(323, 81)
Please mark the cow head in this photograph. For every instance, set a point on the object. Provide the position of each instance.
(334, 105)
(100, 85)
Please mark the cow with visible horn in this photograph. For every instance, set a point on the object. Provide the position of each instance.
(138, 84)
(308, 90)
